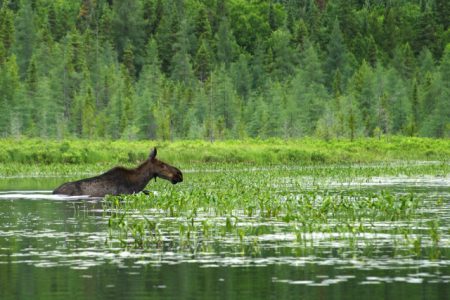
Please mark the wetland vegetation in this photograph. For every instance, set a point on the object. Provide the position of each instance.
(70, 157)
(286, 217)
(299, 207)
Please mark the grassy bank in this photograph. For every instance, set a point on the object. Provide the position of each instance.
(277, 151)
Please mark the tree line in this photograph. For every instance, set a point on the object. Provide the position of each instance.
(224, 69)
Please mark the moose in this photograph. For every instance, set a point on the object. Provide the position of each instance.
(120, 180)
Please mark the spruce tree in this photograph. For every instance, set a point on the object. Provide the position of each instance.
(25, 35)
(225, 43)
(128, 27)
(166, 36)
(283, 65)
(148, 89)
(7, 31)
(9, 85)
(182, 70)
(203, 61)
(242, 77)
(337, 55)
(363, 91)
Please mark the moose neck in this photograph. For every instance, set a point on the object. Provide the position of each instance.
(144, 173)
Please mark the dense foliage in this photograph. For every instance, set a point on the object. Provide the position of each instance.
(218, 69)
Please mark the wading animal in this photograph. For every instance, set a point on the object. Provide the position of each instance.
(120, 180)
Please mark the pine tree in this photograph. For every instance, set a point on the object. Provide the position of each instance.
(128, 27)
(427, 30)
(105, 24)
(88, 115)
(415, 111)
(397, 100)
(390, 34)
(353, 126)
(181, 61)
(308, 99)
(307, 95)
(166, 36)
(429, 91)
(242, 77)
(442, 8)
(87, 15)
(257, 68)
(283, 65)
(225, 102)
(6, 31)
(310, 63)
(45, 122)
(437, 124)
(128, 61)
(225, 43)
(116, 94)
(25, 35)
(162, 115)
(153, 12)
(362, 87)
(202, 28)
(300, 35)
(275, 100)
(338, 57)
(148, 89)
(203, 61)
(9, 85)
(127, 127)
(404, 61)
(30, 106)
(426, 64)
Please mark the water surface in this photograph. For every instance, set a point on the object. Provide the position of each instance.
(54, 247)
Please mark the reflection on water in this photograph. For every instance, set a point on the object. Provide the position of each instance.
(54, 249)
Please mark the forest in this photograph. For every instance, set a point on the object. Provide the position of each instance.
(224, 69)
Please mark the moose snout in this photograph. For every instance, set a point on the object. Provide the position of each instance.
(178, 177)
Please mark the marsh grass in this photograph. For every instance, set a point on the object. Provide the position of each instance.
(246, 211)
(262, 152)
(341, 171)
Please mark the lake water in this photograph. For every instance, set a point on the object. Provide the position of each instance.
(54, 247)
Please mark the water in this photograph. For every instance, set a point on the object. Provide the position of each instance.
(54, 247)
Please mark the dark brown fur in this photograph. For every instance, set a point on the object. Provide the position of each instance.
(121, 180)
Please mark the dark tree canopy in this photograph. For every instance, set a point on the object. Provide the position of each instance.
(224, 69)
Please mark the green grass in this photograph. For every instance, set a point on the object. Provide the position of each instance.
(274, 151)
(238, 210)
(38, 157)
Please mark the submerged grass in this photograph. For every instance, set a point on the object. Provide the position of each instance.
(252, 210)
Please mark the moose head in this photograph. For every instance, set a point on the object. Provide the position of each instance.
(162, 170)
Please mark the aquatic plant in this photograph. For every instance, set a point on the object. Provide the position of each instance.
(243, 210)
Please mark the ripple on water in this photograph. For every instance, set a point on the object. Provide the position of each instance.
(47, 242)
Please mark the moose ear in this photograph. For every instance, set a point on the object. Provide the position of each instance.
(153, 154)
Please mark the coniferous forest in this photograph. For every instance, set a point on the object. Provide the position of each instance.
(224, 69)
